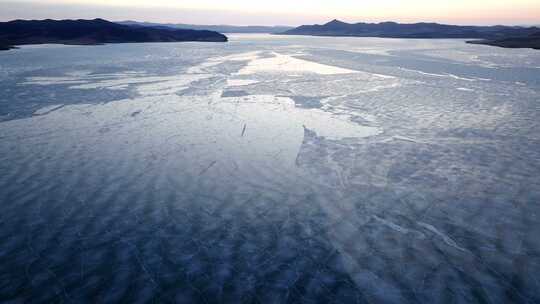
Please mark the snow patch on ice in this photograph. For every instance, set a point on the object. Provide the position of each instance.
(384, 76)
(240, 82)
(285, 63)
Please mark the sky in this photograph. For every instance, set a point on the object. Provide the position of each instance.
(279, 12)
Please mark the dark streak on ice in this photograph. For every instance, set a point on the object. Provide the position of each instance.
(207, 168)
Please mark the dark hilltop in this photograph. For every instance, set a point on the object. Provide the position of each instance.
(505, 36)
(92, 32)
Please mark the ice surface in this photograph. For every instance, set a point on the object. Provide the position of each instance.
(280, 63)
(270, 169)
(328, 125)
(240, 82)
(214, 61)
(448, 75)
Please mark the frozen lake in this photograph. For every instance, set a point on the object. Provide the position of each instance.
(270, 169)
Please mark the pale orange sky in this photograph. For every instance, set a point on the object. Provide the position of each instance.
(292, 12)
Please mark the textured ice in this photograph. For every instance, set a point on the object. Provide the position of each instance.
(169, 86)
(405, 138)
(53, 80)
(156, 173)
(214, 61)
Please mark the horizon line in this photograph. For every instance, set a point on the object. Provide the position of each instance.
(260, 25)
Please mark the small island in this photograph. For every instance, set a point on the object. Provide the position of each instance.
(531, 41)
(93, 32)
(5, 47)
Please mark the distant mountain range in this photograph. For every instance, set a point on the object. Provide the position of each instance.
(217, 28)
(505, 36)
(97, 31)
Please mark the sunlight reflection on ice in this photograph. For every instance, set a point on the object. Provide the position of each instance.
(284, 63)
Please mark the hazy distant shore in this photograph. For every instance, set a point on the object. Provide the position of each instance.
(499, 35)
(229, 29)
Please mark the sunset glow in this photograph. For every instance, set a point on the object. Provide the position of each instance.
(282, 11)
